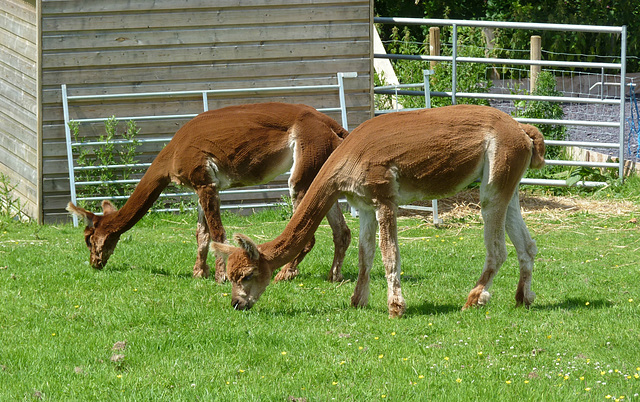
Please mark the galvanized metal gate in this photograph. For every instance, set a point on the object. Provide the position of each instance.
(73, 168)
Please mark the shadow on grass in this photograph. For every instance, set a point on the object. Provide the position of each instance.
(427, 308)
(573, 304)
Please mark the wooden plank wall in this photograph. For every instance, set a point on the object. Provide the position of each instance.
(18, 100)
(123, 46)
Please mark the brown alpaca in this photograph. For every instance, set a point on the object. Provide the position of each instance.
(396, 158)
(231, 147)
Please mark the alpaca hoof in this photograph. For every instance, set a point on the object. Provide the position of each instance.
(221, 276)
(526, 300)
(397, 307)
(358, 301)
(286, 274)
(477, 297)
(335, 277)
(201, 272)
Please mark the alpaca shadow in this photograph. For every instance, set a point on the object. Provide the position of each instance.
(428, 308)
(573, 304)
(154, 270)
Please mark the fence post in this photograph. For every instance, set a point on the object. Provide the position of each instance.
(434, 44)
(535, 54)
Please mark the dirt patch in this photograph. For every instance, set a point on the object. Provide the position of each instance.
(468, 203)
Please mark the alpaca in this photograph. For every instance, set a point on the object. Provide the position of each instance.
(234, 146)
(397, 158)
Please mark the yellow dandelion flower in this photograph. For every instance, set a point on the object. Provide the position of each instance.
(241, 371)
(301, 285)
(581, 378)
(225, 294)
(508, 381)
(383, 396)
(607, 396)
(430, 324)
(360, 348)
(566, 377)
(548, 336)
(342, 362)
(586, 304)
(636, 376)
(421, 376)
(334, 383)
(446, 358)
(405, 359)
(283, 353)
(526, 381)
(587, 389)
(135, 289)
(119, 376)
(393, 334)
(458, 380)
(479, 353)
(603, 372)
(380, 357)
(630, 300)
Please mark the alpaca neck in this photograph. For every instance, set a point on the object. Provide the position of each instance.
(145, 194)
(302, 226)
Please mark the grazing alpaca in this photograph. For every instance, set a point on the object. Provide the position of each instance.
(400, 157)
(231, 147)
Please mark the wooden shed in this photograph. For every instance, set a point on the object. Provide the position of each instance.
(134, 46)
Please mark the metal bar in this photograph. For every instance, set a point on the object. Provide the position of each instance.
(623, 72)
(475, 95)
(131, 165)
(200, 92)
(67, 132)
(142, 141)
(454, 65)
(612, 124)
(498, 24)
(582, 144)
(562, 183)
(486, 60)
(582, 163)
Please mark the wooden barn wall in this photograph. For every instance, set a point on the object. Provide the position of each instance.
(123, 46)
(18, 101)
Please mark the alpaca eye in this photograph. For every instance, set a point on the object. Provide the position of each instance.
(247, 277)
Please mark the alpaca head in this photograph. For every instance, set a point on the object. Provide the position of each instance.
(100, 241)
(246, 269)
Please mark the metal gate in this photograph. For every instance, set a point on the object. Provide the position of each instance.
(454, 93)
(73, 168)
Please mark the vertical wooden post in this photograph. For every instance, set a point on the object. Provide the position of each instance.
(434, 44)
(536, 54)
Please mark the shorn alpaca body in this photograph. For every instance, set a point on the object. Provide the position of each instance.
(230, 147)
(397, 158)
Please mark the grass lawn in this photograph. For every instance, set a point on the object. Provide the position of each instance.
(143, 329)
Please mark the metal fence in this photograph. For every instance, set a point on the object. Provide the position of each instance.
(204, 94)
(454, 93)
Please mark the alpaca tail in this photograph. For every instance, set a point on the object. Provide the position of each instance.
(537, 155)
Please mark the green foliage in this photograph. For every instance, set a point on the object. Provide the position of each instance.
(471, 77)
(118, 148)
(10, 205)
(143, 329)
(581, 46)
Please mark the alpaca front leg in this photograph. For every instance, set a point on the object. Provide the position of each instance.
(366, 252)
(526, 250)
(203, 238)
(210, 204)
(386, 216)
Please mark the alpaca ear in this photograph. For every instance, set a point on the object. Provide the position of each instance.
(248, 245)
(108, 207)
(82, 213)
(222, 248)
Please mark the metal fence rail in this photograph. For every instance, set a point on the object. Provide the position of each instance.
(454, 59)
(70, 144)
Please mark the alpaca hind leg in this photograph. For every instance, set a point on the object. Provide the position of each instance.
(525, 248)
(341, 240)
(210, 203)
(386, 216)
(366, 252)
(203, 238)
(493, 214)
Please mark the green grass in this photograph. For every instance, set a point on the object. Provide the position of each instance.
(59, 318)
